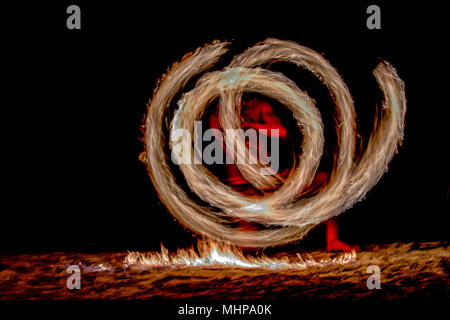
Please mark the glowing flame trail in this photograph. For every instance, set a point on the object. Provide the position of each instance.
(287, 215)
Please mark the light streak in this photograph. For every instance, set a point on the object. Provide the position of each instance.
(287, 214)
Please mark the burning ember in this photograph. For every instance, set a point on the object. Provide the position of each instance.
(210, 253)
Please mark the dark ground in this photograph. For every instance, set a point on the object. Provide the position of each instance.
(412, 270)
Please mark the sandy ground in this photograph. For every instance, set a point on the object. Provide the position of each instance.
(407, 270)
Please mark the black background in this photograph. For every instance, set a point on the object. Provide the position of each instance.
(74, 101)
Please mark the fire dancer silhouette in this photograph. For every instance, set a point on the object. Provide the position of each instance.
(259, 114)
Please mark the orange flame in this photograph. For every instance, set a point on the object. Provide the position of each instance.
(215, 254)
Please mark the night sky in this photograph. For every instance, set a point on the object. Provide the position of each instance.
(75, 100)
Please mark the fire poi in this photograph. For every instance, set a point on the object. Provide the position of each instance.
(285, 214)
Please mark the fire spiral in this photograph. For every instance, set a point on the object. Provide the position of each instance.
(287, 215)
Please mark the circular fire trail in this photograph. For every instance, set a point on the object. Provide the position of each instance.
(286, 213)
